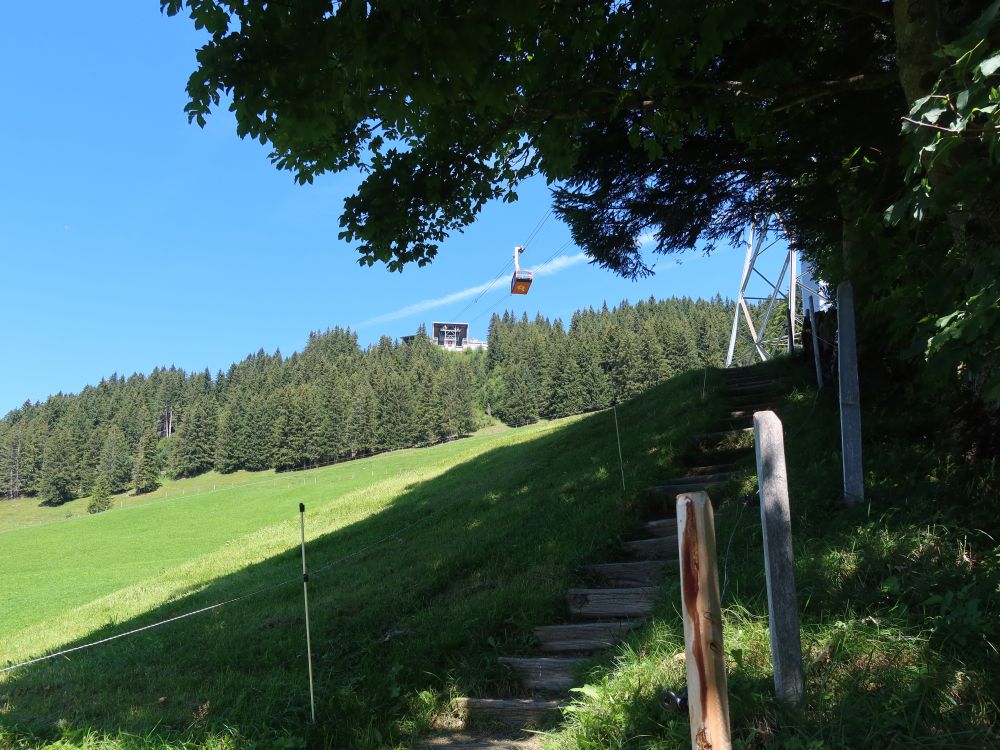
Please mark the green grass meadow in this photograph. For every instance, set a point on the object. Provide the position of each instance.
(66, 562)
(428, 564)
(421, 578)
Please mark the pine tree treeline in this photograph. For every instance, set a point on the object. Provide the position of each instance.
(335, 401)
(539, 369)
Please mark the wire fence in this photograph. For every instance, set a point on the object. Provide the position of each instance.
(319, 570)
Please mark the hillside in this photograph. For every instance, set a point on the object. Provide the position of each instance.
(334, 400)
(418, 579)
(430, 577)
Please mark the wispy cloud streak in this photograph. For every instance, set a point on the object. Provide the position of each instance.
(546, 269)
(558, 264)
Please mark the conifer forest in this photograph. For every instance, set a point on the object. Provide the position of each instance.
(335, 401)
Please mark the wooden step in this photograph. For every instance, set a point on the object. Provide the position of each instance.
(719, 454)
(661, 527)
(706, 437)
(582, 636)
(743, 369)
(715, 478)
(755, 380)
(477, 741)
(741, 388)
(665, 494)
(551, 673)
(656, 548)
(630, 574)
(607, 604)
(516, 712)
(743, 413)
(751, 405)
(710, 469)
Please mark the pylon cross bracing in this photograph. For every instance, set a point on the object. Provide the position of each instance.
(754, 316)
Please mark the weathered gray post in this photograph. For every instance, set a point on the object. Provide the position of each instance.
(701, 609)
(815, 340)
(850, 397)
(779, 560)
(791, 331)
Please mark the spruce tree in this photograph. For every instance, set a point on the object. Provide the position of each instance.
(56, 481)
(334, 412)
(568, 391)
(361, 434)
(194, 446)
(227, 450)
(146, 469)
(116, 460)
(100, 495)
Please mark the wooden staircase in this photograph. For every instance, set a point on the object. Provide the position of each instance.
(620, 593)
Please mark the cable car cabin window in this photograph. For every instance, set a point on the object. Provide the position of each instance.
(520, 282)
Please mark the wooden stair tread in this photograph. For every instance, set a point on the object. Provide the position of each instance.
(720, 434)
(754, 380)
(710, 469)
(654, 548)
(716, 477)
(511, 711)
(607, 604)
(750, 403)
(582, 636)
(552, 673)
(630, 574)
(662, 527)
(739, 413)
(759, 385)
(476, 741)
(667, 493)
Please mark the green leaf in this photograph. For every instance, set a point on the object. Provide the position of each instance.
(934, 114)
(989, 66)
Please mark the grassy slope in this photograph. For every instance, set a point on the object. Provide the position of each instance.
(74, 560)
(28, 511)
(899, 604)
(68, 563)
(420, 581)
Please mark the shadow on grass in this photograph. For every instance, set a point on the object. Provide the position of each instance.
(899, 605)
(454, 571)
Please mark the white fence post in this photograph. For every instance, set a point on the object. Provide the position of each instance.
(305, 601)
(779, 559)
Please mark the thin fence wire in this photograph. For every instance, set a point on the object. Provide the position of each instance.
(134, 631)
(255, 592)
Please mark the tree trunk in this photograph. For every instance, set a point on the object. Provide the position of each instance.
(918, 31)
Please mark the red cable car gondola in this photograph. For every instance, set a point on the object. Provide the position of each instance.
(520, 282)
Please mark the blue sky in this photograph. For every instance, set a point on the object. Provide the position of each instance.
(131, 239)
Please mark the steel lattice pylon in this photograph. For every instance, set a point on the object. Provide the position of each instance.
(754, 315)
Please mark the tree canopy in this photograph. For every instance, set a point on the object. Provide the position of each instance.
(684, 120)
(670, 115)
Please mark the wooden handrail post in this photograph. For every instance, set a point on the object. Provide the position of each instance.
(708, 701)
(779, 560)
(850, 396)
(815, 343)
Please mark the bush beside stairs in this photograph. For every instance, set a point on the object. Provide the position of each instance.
(619, 593)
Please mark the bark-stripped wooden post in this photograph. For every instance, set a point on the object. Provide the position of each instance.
(708, 701)
(850, 398)
(815, 340)
(779, 560)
